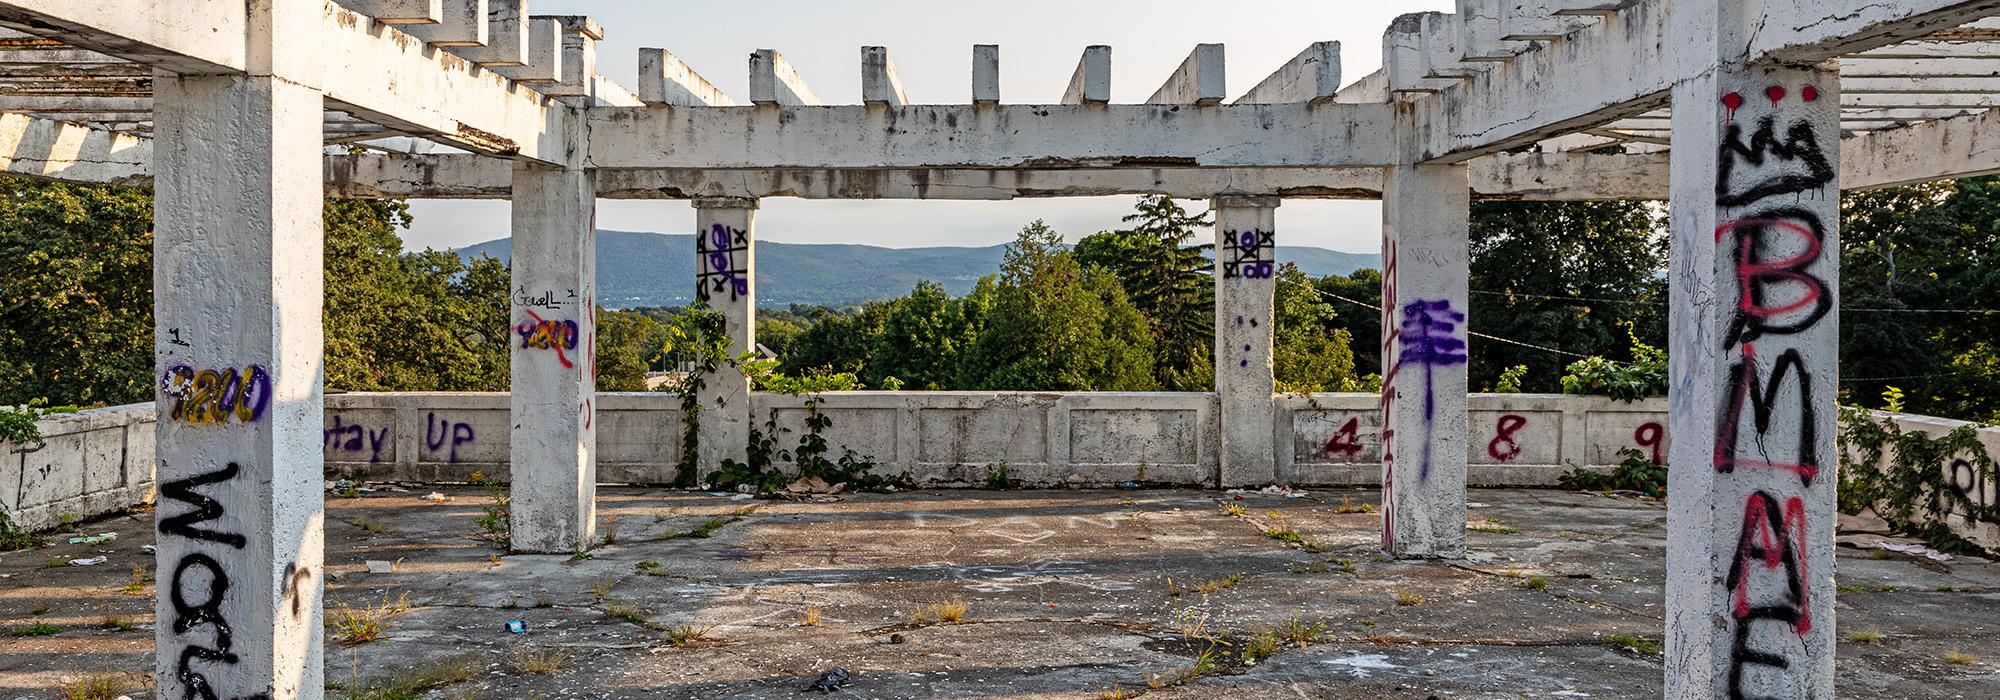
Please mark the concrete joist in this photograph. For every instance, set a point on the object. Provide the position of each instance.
(879, 83)
(1534, 20)
(1312, 76)
(1091, 83)
(1403, 59)
(1479, 36)
(464, 24)
(544, 60)
(1198, 80)
(666, 80)
(774, 82)
(399, 11)
(506, 36)
(986, 74)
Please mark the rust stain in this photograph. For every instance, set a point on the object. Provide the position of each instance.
(487, 141)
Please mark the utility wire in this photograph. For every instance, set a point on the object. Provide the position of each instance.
(1637, 302)
(1324, 293)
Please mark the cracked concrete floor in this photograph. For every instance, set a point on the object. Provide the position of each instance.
(1067, 595)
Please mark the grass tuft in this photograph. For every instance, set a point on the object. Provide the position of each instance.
(1865, 635)
(39, 629)
(99, 685)
(1408, 599)
(1637, 644)
(1536, 583)
(939, 613)
(415, 683)
(688, 635)
(1957, 657)
(352, 625)
(538, 660)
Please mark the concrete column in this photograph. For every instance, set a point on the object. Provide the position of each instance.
(237, 279)
(726, 280)
(554, 361)
(1754, 356)
(1425, 267)
(1246, 271)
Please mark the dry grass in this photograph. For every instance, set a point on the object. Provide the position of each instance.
(603, 588)
(1301, 633)
(939, 613)
(1234, 510)
(1957, 657)
(1115, 692)
(812, 616)
(539, 660)
(1202, 666)
(1408, 599)
(101, 685)
(141, 576)
(688, 635)
(113, 621)
(1491, 525)
(628, 612)
(1865, 635)
(1347, 506)
(352, 625)
(371, 526)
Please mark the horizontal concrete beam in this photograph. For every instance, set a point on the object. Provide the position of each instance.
(1810, 32)
(72, 103)
(1198, 80)
(543, 63)
(177, 35)
(56, 150)
(399, 11)
(1956, 147)
(464, 24)
(665, 80)
(506, 36)
(1009, 136)
(774, 82)
(1312, 76)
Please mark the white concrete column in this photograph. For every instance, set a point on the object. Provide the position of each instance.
(554, 361)
(726, 280)
(1754, 353)
(1425, 268)
(1246, 270)
(237, 280)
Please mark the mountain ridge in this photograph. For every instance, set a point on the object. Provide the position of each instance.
(657, 269)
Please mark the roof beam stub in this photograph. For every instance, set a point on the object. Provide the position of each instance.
(1479, 33)
(544, 56)
(879, 83)
(665, 80)
(1810, 32)
(506, 35)
(1588, 8)
(1440, 41)
(1198, 80)
(1403, 56)
(774, 82)
(1312, 76)
(1535, 20)
(464, 24)
(1091, 83)
(986, 74)
(580, 35)
(399, 11)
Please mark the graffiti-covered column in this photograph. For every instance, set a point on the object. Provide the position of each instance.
(553, 462)
(1246, 271)
(238, 282)
(725, 280)
(1754, 357)
(1425, 268)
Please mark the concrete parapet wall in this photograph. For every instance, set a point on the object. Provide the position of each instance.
(89, 463)
(1957, 474)
(1044, 438)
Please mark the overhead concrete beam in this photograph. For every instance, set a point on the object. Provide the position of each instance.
(399, 11)
(1312, 76)
(1946, 148)
(1588, 8)
(464, 24)
(1009, 136)
(1919, 86)
(579, 57)
(1479, 32)
(56, 150)
(506, 36)
(73, 103)
(1634, 64)
(1534, 20)
(986, 74)
(1091, 83)
(1198, 80)
(177, 35)
(879, 83)
(665, 80)
(774, 82)
(1403, 59)
(1438, 41)
(1859, 67)
(1934, 48)
(1921, 101)
(545, 54)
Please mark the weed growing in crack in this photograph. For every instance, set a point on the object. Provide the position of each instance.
(1301, 633)
(1865, 635)
(1639, 645)
(538, 660)
(688, 635)
(939, 613)
(1536, 583)
(352, 625)
(1408, 599)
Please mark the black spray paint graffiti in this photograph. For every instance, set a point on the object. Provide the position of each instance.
(721, 253)
(1249, 255)
(356, 439)
(199, 584)
(1770, 251)
(439, 431)
(214, 396)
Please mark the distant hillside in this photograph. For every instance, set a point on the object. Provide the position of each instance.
(653, 269)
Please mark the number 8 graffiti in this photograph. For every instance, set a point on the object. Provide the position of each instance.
(213, 396)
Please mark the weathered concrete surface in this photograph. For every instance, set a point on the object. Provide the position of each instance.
(553, 352)
(1067, 595)
(725, 279)
(1245, 287)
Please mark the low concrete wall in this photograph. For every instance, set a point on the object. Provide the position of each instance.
(90, 463)
(1958, 475)
(946, 438)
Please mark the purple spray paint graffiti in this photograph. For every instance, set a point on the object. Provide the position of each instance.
(1430, 338)
(721, 268)
(439, 431)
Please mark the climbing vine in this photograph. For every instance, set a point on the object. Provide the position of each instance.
(696, 334)
(1914, 480)
(761, 469)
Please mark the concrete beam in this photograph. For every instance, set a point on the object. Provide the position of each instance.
(71, 103)
(774, 82)
(464, 24)
(1534, 20)
(1091, 83)
(506, 36)
(55, 150)
(1931, 47)
(1403, 61)
(579, 58)
(1198, 80)
(879, 83)
(1312, 76)
(1853, 67)
(1438, 42)
(1479, 32)
(399, 11)
(544, 60)
(1946, 148)
(1634, 65)
(1588, 8)
(986, 74)
(665, 80)
(177, 35)
(1920, 86)
(1008, 136)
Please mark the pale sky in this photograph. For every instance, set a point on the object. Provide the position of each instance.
(931, 43)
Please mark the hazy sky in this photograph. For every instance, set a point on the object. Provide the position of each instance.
(931, 44)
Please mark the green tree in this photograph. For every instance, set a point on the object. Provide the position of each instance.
(839, 342)
(920, 341)
(1167, 278)
(1310, 351)
(1055, 326)
(1565, 275)
(427, 321)
(625, 342)
(1356, 299)
(76, 317)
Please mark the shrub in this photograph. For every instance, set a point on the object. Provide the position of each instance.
(1636, 473)
(1645, 375)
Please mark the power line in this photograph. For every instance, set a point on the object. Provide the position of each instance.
(1324, 293)
(1637, 302)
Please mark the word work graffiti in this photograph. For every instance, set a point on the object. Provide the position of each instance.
(199, 586)
(547, 299)
(1775, 197)
(213, 396)
(442, 435)
(1249, 255)
(722, 252)
(356, 439)
(538, 333)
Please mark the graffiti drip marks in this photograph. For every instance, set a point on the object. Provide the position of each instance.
(722, 254)
(1430, 338)
(557, 335)
(213, 397)
(1249, 255)
(1804, 163)
(1772, 541)
(440, 432)
(200, 585)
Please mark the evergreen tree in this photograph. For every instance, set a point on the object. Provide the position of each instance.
(1167, 277)
(1053, 326)
(1310, 351)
